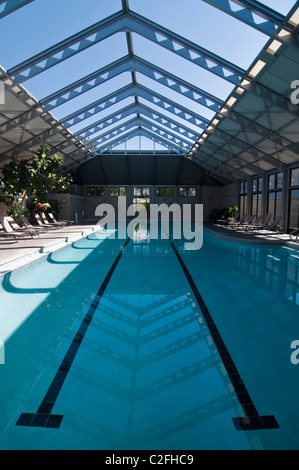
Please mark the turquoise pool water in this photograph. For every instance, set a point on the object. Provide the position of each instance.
(147, 372)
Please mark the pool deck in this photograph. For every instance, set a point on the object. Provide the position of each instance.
(244, 236)
(16, 253)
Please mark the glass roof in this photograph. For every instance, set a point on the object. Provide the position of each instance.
(42, 24)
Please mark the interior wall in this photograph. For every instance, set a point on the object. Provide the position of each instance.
(229, 195)
(211, 196)
(70, 207)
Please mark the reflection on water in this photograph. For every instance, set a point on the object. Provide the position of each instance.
(275, 268)
(154, 366)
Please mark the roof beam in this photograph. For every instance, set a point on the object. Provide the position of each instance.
(129, 110)
(136, 64)
(9, 6)
(272, 21)
(86, 83)
(184, 48)
(127, 22)
(137, 121)
(137, 132)
(69, 47)
(130, 90)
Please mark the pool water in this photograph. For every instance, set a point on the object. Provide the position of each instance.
(110, 348)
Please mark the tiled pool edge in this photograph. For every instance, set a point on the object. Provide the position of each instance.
(34, 255)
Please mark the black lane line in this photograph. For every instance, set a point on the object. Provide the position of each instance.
(252, 420)
(43, 417)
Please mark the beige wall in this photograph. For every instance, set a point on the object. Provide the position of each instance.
(217, 197)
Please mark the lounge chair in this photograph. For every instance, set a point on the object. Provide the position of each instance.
(8, 230)
(272, 226)
(262, 226)
(234, 220)
(253, 224)
(16, 227)
(45, 225)
(294, 235)
(53, 221)
(245, 224)
(241, 221)
(31, 227)
(4, 234)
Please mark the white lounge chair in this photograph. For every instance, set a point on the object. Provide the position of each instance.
(43, 224)
(53, 221)
(8, 231)
(16, 227)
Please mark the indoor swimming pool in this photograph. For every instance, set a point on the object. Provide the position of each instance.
(138, 344)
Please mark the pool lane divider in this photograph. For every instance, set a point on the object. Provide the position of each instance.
(43, 417)
(252, 420)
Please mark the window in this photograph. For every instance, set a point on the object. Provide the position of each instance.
(256, 200)
(118, 191)
(114, 191)
(295, 177)
(146, 192)
(100, 191)
(169, 192)
(243, 198)
(91, 191)
(187, 192)
(294, 200)
(274, 196)
(137, 191)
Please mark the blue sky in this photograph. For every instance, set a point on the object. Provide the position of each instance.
(43, 23)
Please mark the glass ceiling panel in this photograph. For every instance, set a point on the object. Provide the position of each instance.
(89, 97)
(140, 143)
(78, 66)
(282, 7)
(170, 115)
(43, 23)
(205, 25)
(174, 96)
(180, 67)
(101, 115)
